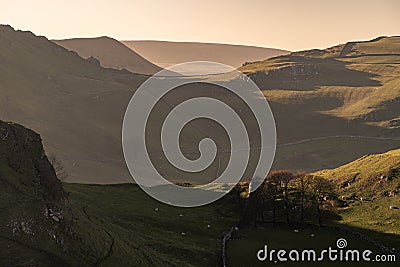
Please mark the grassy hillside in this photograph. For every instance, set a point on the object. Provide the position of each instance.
(154, 233)
(166, 54)
(43, 223)
(48, 224)
(77, 106)
(350, 89)
(110, 52)
(355, 81)
(371, 187)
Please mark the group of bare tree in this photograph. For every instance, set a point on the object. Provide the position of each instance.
(290, 198)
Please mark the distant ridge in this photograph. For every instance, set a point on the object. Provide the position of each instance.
(111, 53)
(166, 54)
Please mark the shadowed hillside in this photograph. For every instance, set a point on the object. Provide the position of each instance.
(111, 53)
(43, 224)
(77, 106)
(38, 228)
(362, 77)
(342, 100)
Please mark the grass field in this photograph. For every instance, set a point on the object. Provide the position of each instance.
(242, 251)
(146, 232)
(369, 188)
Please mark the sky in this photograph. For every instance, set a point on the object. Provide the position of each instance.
(286, 24)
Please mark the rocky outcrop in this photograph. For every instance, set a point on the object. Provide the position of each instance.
(22, 152)
(93, 60)
(33, 204)
(35, 214)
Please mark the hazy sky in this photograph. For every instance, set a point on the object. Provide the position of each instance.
(292, 25)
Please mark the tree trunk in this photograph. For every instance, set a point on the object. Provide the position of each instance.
(319, 215)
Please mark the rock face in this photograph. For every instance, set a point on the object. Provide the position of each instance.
(22, 150)
(33, 210)
(38, 227)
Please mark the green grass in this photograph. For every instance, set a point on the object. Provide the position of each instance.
(358, 83)
(367, 184)
(364, 185)
(242, 251)
(149, 233)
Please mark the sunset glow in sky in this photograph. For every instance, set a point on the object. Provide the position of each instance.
(292, 25)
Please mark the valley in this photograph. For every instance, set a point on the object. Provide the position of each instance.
(68, 199)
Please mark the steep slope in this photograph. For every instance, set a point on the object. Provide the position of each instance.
(377, 167)
(110, 53)
(77, 106)
(38, 228)
(370, 187)
(165, 54)
(357, 80)
(343, 102)
(41, 224)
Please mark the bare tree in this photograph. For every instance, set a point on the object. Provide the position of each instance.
(281, 180)
(58, 167)
(302, 184)
(321, 190)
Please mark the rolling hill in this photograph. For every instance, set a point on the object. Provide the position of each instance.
(355, 81)
(110, 53)
(370, 186)
(343, 100)
(75, 105)
(368, 216)
(166, 54)
(46, 223)
(78, 108)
